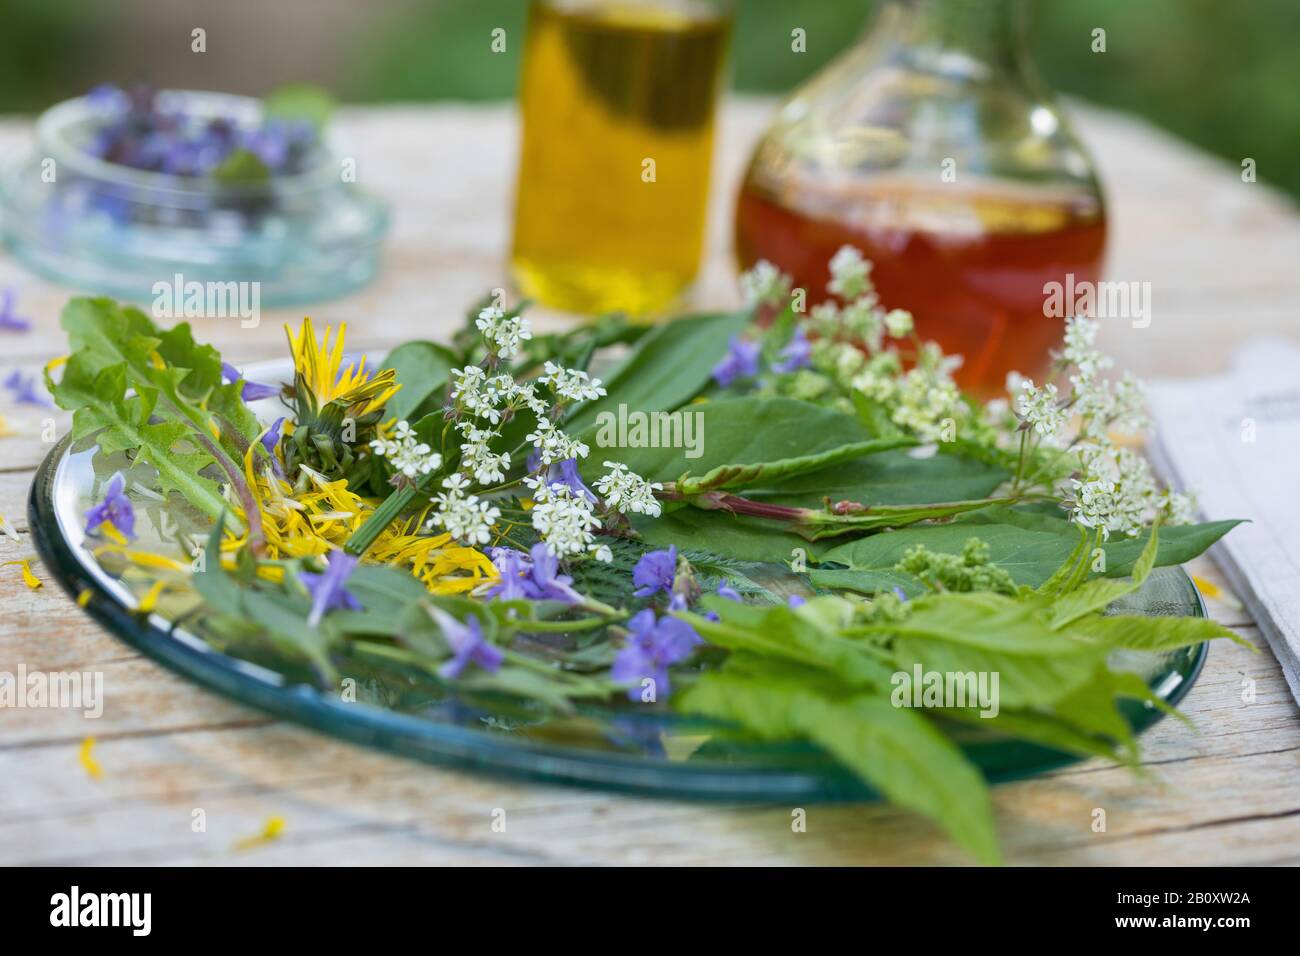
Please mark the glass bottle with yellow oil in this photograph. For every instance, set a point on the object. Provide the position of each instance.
(618, 100)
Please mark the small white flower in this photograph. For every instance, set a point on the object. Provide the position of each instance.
(573, 384)
(1040, 408)
(848, 273)
(553, 445)
(408, 454)
(625, 491)
(465, 517)
(601, 553)
(564, 520)
(764, 284)
(898, 322)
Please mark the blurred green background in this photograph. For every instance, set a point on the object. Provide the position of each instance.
(1223, 75)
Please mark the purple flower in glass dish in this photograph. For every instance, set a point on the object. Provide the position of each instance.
(655, 572)
(8, 320)
(25, 390)
(652, 647)
(252, 391)
(329, 590)
(468, 646)
(797, 353)
(116, 509)
(741, 361)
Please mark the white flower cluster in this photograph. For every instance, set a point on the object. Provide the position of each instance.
(764, 284)
(465, 517)
(504, 334)
(553, 445)
(408, 454)
(477, 456)
(1117, 493)
(573, 384)
(626, 491)
(1041, 409)
(849, 273)
(565, 519)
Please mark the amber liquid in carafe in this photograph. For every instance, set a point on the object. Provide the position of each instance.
(618, 103)
(970, 263)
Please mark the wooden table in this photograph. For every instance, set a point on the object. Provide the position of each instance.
(1221, 256)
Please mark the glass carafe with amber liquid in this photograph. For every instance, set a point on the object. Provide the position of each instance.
(618, 100)
(932, 147)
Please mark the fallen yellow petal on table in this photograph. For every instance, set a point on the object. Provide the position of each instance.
(88, 760)
(29, 579)
(271, 831)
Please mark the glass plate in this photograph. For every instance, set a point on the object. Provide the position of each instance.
(611, 746)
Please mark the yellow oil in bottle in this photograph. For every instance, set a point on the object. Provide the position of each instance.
(618, 104)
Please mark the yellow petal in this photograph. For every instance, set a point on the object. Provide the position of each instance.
(88, 760)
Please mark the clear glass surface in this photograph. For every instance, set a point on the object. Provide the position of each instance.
(111, 229)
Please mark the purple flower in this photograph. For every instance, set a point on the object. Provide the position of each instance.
(796, 600)
(551, 586)
(9, 321)
(514, 567)
(797, 353)
(532, 576)
(467, 645)
(727, 591)
(741, 361)
(900, 593)
(24, 390)
(328, 591)
(116, 509)
(652, 647)
(252, 391)
(655, 572)
(269, 441)
(569, 476)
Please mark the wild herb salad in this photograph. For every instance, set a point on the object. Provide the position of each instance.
(760, 517)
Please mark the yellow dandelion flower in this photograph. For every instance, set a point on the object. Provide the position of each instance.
(319, 370)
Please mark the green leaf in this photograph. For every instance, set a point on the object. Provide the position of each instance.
(1028, 546)
(732, 536)
(422, 371)
(100, 407)
(887, 478)
(1152, 633)
(896, 750)
(737, 431)
(670, 366)
(241, 167)
(299, 101)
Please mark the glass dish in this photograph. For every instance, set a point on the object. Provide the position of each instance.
(112, 229)
(608, 746)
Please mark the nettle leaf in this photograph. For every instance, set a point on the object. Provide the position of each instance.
(1098, 594)
(1030, 547)
(101, 407)
(896, 750)
(1152, 633)
(422, 371)
(669, 366)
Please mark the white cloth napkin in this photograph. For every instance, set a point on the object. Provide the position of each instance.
(1234, 440)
